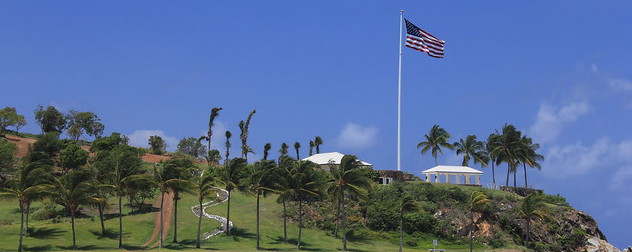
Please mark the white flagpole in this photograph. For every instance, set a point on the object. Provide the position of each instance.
(399, 95)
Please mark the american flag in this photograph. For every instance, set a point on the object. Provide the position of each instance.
(420, 40)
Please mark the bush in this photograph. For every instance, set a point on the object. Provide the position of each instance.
(419, 222)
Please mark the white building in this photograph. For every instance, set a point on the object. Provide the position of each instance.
(453, 171)
(326, 160)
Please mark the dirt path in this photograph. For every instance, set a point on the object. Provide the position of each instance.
(167, 218)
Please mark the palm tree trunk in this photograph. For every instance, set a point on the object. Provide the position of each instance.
(515, 171)
(526, 242)
(297, 156)
(344, 221)
(72, 218)
(507, 181)
(493, 173)
(175, 217)
(284, 223)
(100, 207)
(337, 221)
(471, 231)
(228, 216)
(401, 230)
(300, 223)
(526, 185)
(436, 162)
(162, 200)
(258, 194)
(26, 228)
(197, 243)
(21, 227)
(120, 201)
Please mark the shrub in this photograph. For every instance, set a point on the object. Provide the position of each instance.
(419, 222)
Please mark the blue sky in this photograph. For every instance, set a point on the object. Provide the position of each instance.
(559, 71)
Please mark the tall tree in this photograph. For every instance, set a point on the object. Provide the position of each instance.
(166, 178)
(531, 209)
(406, 205)
(297, 146)
(232, 176)
(311, 147)
(243, 126)
(478, 200)
(27, 184)
(209, 133)
(191, 146)
(182, 169)
(317, 142)
(507, 149)
(471, 148)
(282, 187)
(80, 122)
(73, 190)
(157, 145)
(349, 179)
(261, 181)
(203, 189)
(10, 117)
(305, 182)
(437, 137)
(50, 119)
(283, 150)
(227, 145)
(266, 150)
(126, 163)
(528, 155)
(492, 155)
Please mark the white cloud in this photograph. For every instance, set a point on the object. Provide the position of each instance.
(140, 138)
(551, 120)
(594, 68)
(356, 137)
(621, 84)
(621, 178)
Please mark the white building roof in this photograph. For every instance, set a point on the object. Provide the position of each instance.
(325, 158)
(452, 169)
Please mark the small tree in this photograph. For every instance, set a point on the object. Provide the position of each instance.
(7, 156)
(406, 205)
(10, 117)
(478, 200)
(531, 209)
(80, 122)
(191, 146)
(157, 145)
(50, 119)
(167, 178)
(73, 157)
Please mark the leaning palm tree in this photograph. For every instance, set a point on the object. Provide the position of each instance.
(202, 189)
(283, 150)
(492, 156)
(305, 181)
(167, 178)
(529, 156)
(470, 148)
(243, 126)
(266, 150)
(297, 146)
(507, 149)
(531, 209)
(181, 169)
(232, 176)
(311, 147)
(261, 182)
(283, 188)
(126, 161)
(478, 200)
(71, 191)
(437, 137)
(406, 205)
(351, 178)
(25, 185)
(317, 142)
(209, 133)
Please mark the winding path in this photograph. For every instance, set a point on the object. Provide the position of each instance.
(222, 196)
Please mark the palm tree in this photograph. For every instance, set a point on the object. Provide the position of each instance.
(71, 191)
(209, 133)
(214, 156)
(261, 181)
(304, 182)
(25, 185)
(243, 126)
(181, 169)
(435, 139)
(317, 142)
(470, 148)
(227, 144)
(283, 150)
(406, 205)
(351, 178)
(531, 209)
(529, 156)
(490, 146)
(311, 147)
(507, 147)
(266, 150)
(127, 165)
(282, 187)
(232, 176)
(166, 179)
(478, 200)
(297, 146)
(203, 188)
